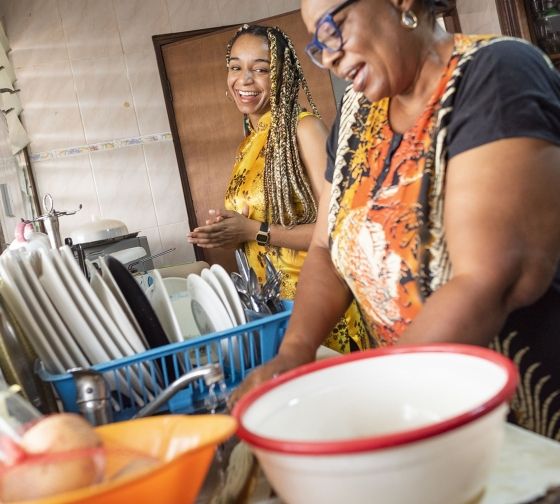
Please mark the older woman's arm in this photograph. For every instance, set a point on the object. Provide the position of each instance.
(502, 223)
(230, 229)
(321, 299)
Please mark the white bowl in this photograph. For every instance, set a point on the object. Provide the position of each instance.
(420, 425)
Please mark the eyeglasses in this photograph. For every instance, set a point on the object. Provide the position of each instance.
(327, 35)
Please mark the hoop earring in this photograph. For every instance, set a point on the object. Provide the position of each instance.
(409, 20)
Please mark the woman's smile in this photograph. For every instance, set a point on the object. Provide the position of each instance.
(249, 76)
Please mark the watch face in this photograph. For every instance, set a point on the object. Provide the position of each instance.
(262, 238)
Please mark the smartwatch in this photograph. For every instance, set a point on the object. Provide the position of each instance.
(263, 235)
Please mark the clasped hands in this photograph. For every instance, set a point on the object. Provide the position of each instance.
(223, 229)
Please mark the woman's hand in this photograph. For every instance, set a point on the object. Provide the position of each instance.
(278, 365)
(224, 229)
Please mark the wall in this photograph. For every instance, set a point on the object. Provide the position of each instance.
(94, 108)
(12, 188)
(478, 16)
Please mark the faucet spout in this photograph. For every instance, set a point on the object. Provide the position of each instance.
(211, 373)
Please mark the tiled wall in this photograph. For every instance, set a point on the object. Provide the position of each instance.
(478, 16)
(94, 108)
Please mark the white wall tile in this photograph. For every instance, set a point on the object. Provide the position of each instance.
(50, 108)
(147, 93)
(478, 16)
(241, 11)
(123, 187)
(70, 183)
(186, 15)
(175, 236)
(90, 27)
(165, 182)
(139, 20)
(282, 6)
(154, 240)
(34, 30)
(105, 99)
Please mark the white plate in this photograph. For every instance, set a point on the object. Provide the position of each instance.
(51, 280)
(94, 322)
(17, 304)
(208, 311)
(114, 309)
(115, 290)
(181, 303)
(159, 299)
(10, 263)
(62, 333)
(231, 293)
(213, 282)
(97, 318)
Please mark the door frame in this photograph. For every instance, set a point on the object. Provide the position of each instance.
(160, 41)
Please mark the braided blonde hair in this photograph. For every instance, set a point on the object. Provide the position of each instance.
(286, 184)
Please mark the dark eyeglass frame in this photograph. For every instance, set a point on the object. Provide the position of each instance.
(328, 17)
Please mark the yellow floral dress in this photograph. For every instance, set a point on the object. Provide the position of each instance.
(246, 190)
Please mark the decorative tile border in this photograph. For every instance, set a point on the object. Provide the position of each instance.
(102, 146)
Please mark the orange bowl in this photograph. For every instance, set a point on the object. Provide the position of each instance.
(184, 446)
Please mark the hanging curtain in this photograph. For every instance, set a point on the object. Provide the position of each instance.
(9, 100)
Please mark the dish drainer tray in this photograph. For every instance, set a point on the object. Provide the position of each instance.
(136, 380)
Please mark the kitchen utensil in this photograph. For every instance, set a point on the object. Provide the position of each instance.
(50, 219)
(17, 359)
(183, 445)
(211, 279)
(98, 229)
(417, 424)
(138, 303)
(242, 264)
(128, 255)
(132, 265)
(92, 396)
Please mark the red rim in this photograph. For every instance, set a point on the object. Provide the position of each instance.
(382, 441)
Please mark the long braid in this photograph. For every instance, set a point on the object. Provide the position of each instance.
(289, 199)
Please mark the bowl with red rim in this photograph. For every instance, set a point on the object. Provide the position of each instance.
(419, 424)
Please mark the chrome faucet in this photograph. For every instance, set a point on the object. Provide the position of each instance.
(211, 373)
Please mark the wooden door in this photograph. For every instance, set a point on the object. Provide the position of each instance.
(206, 127)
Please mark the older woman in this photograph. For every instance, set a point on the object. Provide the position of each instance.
(441, 215)
(271, 200)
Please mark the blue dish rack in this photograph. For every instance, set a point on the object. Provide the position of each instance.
(136, 380)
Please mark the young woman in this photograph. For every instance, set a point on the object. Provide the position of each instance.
(271, 201)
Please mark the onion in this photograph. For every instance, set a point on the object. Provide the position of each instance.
(40, 478)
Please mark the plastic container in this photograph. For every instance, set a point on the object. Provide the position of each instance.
(184, 447)
(136, 381)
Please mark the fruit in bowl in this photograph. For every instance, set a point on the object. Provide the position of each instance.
(161, 459)
(57, 454)
(405, 424)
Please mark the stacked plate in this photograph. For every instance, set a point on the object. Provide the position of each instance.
(214, 300)
(70, 322)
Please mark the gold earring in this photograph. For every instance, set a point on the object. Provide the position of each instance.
(228, 97)
(409, 20)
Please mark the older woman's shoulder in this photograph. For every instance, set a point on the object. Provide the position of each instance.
(509, 89)
(502, 52)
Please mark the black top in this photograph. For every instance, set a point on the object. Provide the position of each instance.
(508, 90)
